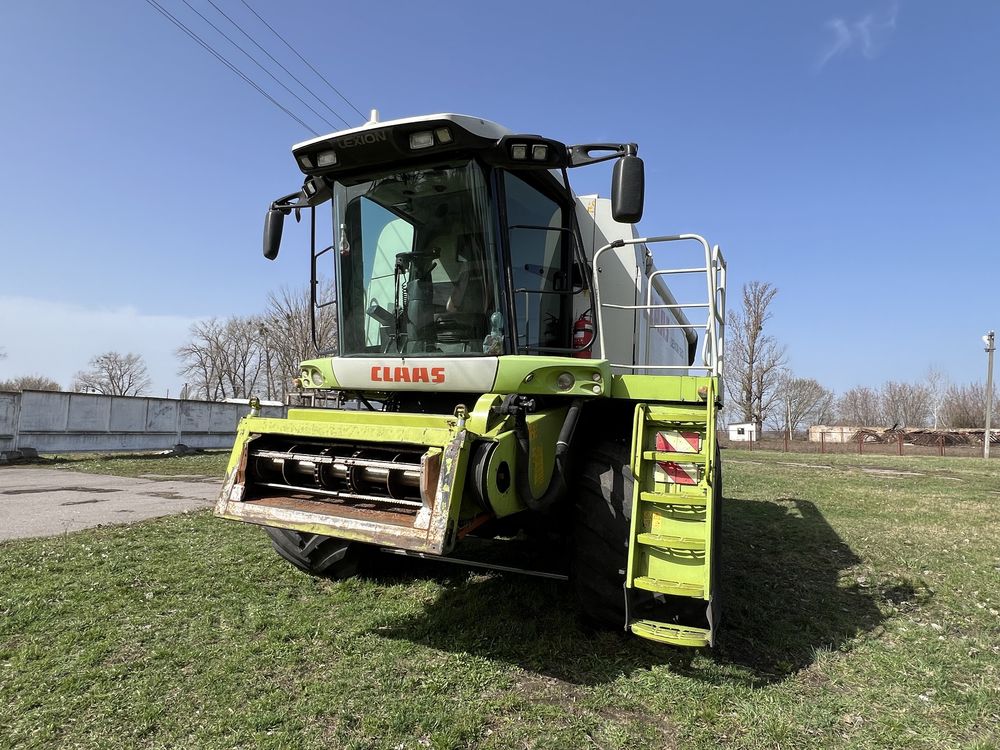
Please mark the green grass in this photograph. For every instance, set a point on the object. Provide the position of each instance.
(861, 611)
(209, 464)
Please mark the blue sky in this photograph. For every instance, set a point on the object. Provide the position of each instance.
(846, 152)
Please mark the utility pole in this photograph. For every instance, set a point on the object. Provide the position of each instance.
(990, 340)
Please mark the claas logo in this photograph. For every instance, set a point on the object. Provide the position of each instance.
(407, 374)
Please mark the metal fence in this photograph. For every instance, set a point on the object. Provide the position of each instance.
(56, 422)
(831, 442)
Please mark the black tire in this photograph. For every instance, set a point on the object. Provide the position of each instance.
(602, 516)
(717, 512)
(315, 554)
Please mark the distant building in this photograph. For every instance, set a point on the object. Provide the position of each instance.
(743, 432)
(821, 433)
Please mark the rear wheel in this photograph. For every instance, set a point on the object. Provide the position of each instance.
(316, 554)
(602, 517)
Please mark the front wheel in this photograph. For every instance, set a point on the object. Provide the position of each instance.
(315, 554)
(602, 518)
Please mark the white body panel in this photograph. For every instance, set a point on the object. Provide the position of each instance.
(474, 125)
(416, 373)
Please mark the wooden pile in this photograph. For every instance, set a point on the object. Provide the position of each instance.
(925, 436)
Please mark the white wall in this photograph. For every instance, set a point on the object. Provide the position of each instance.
(55, 422)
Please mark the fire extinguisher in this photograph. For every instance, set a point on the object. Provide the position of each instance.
(583, 334)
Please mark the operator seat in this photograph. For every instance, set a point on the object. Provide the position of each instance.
(465, 316)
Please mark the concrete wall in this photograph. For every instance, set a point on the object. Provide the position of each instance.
(55, 422)
(832, 433)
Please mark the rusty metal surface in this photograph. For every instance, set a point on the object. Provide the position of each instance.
(403, 517)
(430, 526)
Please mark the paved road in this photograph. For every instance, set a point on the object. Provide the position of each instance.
(47, 502)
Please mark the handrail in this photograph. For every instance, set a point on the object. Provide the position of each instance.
(713, 351)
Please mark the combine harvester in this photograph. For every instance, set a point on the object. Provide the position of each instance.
(523, 370)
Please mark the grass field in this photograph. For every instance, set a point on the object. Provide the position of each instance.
(861, 610)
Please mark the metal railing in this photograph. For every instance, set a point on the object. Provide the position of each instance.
(714, 345)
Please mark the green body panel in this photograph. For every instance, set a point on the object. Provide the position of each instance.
(674, 505)
(323, 366)
(532, 375)
(525, 374)
(672, 388)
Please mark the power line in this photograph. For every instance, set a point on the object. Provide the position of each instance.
(228, 64)
(287, 44)
(257, 63)
(278, 63)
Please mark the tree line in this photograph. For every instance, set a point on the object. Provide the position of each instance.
(255, 354)
(235, 357)
(762, 390)
(241, 356)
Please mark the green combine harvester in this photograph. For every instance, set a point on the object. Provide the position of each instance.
(522, 372)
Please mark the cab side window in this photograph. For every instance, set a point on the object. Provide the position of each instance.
(538, 253)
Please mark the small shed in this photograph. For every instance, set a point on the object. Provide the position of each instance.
(743, 432)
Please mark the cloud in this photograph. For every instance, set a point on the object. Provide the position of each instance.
(57, 339)
(866, 35)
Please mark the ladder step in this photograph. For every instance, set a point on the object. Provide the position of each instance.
(673, 498)
(671, 542)
(675, 415)
(678, 458)
(676, 588)
(676, 635)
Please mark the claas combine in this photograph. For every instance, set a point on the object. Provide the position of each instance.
(519, 367)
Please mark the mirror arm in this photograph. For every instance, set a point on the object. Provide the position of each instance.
(582, 155)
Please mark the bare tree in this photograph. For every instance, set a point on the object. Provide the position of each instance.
(114, 374)
(894, 404)
(255, 355)
(937, 384)
(861, 406)
(200, 361)
(753, 358)
(30, 383)
(287, 329)
(965, 406)
(907, 404)
(224, 359)
(801, 400)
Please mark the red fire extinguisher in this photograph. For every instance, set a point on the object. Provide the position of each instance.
(583, 334)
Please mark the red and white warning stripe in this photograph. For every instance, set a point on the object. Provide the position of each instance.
(675, 473)
(675, 441)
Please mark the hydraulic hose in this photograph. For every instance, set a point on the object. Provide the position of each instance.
(560, 470)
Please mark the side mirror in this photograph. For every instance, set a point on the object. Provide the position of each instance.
(273, 223)
(627, 189)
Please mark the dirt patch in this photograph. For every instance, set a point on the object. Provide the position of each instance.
(168, 495)
(181, 478)
(895, 473)
(44, 490)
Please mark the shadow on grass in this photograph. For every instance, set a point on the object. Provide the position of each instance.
(780, 588)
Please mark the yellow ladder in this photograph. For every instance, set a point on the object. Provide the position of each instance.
(669, 579)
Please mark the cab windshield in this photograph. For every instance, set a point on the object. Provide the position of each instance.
(416, 260)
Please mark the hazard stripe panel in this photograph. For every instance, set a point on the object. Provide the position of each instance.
(675, 441)
(671, 472)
